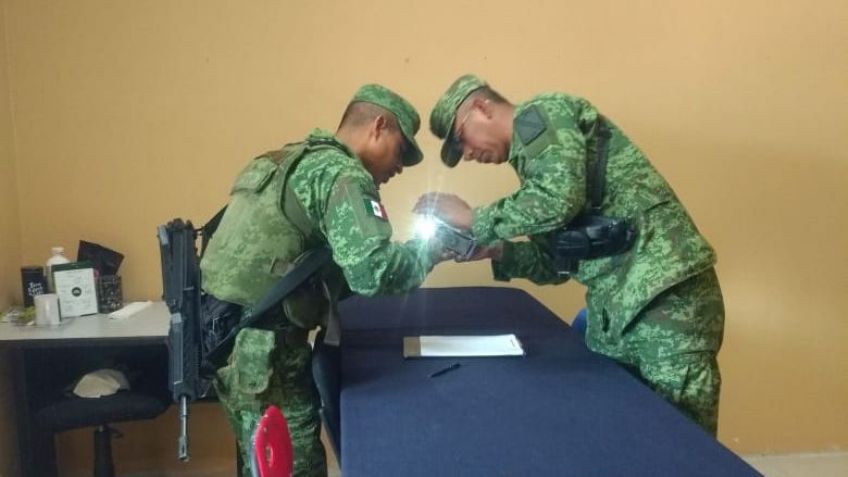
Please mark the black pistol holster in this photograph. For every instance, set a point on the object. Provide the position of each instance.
(591, 235)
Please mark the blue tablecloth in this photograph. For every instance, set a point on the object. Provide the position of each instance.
(559, 411)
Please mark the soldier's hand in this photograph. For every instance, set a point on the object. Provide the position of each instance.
(448, 207)
(493, 252)
(440, 254)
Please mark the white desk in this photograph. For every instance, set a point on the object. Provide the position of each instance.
(35, 351)
(149, 324)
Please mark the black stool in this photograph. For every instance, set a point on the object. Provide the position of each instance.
(75, 412)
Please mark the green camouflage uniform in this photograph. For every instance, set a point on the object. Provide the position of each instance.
(324, 184)
(656, 308)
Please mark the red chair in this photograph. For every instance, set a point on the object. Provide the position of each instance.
(272, 446)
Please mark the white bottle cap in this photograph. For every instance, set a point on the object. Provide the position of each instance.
(57, 250)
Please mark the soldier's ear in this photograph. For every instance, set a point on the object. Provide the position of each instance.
(377, 127)
(381, 124)
(484, 105)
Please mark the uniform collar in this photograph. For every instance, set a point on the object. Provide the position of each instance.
(515, 148)
(323, 135)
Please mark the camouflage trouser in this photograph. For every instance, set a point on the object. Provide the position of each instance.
(672, 345)
(274, 367)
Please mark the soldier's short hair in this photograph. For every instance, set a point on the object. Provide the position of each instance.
(360, 113)
(485, 92)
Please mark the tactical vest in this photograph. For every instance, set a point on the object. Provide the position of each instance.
(263, 232)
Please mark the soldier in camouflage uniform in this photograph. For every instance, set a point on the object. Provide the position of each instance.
(319, 192)
(657, 308)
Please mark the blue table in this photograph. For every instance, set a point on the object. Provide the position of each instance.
(559, 411)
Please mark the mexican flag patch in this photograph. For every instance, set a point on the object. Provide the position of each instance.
(376, 209)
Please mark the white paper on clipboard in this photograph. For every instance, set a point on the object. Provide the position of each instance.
(433, 346)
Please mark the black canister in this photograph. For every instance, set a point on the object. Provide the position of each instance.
(110, 296)
(32, 283)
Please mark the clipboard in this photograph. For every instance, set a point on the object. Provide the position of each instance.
(438, 346)
(76, 288)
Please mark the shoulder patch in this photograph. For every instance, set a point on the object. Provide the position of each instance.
(530, 124)
(355, 206)
(375, 208)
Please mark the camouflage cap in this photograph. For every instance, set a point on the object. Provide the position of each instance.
(444, 115)
(406, 115)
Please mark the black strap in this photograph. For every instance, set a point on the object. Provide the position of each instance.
(322, 141)
(207, 230)
(310, 263)
(312, 260)
(288, 159)
(598, 168)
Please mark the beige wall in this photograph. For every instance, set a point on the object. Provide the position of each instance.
(129, 113)
(10, 227)
(10, 250)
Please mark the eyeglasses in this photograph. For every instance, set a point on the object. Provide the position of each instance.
(456, 140)
(457, 135)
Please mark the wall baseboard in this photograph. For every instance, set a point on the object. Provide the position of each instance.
(223, 472)
(824, 464)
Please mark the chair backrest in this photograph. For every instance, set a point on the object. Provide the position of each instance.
(272, 446)
(579, 323)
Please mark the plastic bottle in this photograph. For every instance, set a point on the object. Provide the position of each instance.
(57, 258)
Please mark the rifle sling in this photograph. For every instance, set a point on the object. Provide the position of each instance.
(312, 260)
